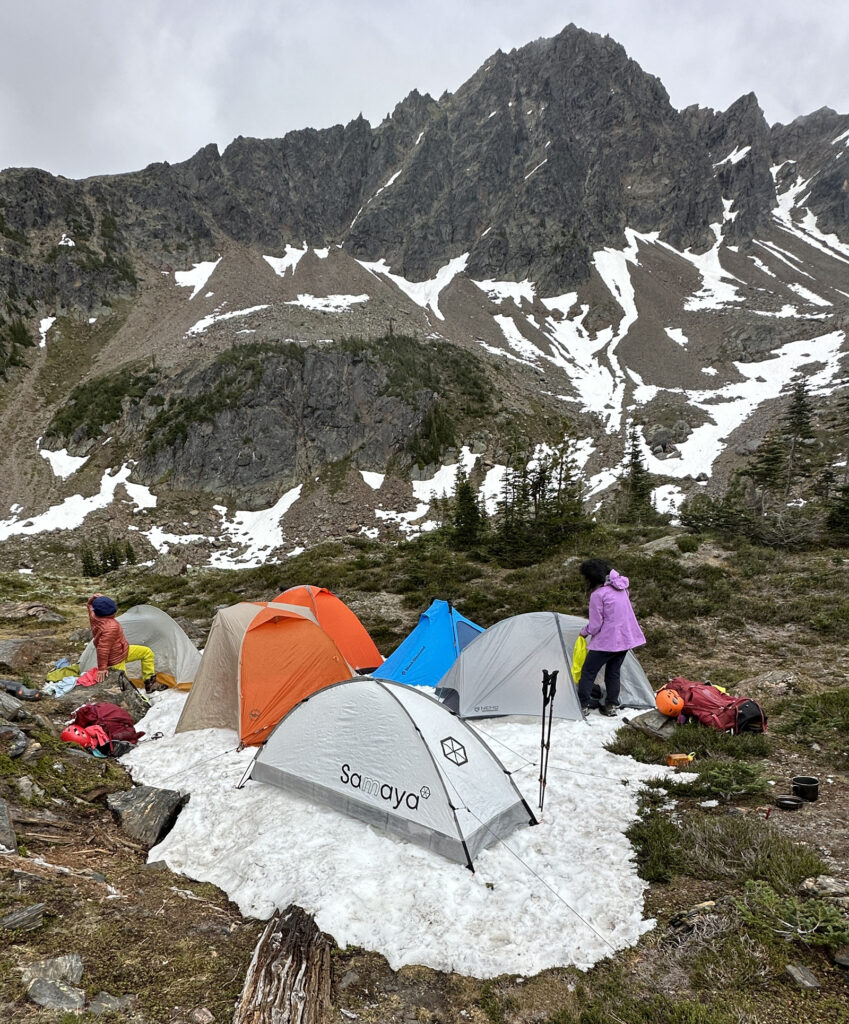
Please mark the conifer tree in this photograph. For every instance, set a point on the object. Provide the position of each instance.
(468, 516)
(798, 429)
(636, 484)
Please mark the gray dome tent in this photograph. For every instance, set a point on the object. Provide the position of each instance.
(500, 672)
(395, 758)
(148, 626)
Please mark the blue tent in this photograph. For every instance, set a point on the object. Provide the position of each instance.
(431, 649)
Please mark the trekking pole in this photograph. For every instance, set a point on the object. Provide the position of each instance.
(549, 689)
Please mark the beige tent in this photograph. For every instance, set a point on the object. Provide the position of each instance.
(261, 659)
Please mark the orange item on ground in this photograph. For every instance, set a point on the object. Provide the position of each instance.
(678, 760)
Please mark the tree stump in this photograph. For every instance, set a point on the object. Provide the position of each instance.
(288, 981)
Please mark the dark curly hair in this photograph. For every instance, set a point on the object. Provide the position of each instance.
(595, 572)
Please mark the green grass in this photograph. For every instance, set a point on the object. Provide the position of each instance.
(822, 718)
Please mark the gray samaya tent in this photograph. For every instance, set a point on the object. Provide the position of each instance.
(395, 758)
(500, 672)
(151, 627)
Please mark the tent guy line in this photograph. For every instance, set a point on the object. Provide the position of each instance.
(528, 867)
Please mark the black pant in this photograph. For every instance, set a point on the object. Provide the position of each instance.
(612, 663)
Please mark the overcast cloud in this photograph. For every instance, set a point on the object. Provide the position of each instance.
(102, 86)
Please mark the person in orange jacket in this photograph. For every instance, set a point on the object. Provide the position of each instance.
(113, 651)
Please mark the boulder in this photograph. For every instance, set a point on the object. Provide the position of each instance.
(802, 976)
(23, 920)
(103, 1003)
(825, 886)
(12, 741)
(56, 995)
(18, 654)
(652, 723)
(145, 813)
(68, 967)
(661, 544)
(10, 707)
(30, 609)
(8, 839)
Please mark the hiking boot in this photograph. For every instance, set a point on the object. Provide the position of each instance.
(608, 710)
(152, 686)
(585, 710)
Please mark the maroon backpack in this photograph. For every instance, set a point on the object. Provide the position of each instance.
(114, 721)
(719, 710)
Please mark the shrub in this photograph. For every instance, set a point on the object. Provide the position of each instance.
(97, 402)
(745, 848)
(814, 922)
(823, 717)
(687, 543)
(656, 846)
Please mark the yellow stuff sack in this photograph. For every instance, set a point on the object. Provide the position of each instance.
(579, 656)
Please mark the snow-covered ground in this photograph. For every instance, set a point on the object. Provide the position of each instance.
(564, 892)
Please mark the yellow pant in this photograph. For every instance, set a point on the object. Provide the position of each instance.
(142, 654)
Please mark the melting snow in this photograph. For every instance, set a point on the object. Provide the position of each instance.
(258, 533)
(730, 405)
(71, 513)
(844, 137)
(206, 322)
(535, 169)
(65, 240)
(43, 327)
(515, 290)
(163, 542)
(715, 292)
(419, 139)
(492, 488)
(322, 254)
(328, 303)
(516, 340)
(423, 293)
(677, 335)
(197, 277)
(289, 261)
(62, 464)
(442, 482)
(734, 157)
(374, 480)
(668, 498)
(388, 183)
(267, 848)
(812, 297)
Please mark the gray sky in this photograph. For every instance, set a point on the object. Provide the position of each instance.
(101, 86)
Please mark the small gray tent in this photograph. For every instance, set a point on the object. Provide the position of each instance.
(176, 656)
(500, 672)
(395, 758)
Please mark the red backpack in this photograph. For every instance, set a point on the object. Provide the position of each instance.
(720, 710)
(114, 721)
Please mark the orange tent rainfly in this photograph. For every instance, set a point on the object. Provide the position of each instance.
(261, 659)
(337, 619)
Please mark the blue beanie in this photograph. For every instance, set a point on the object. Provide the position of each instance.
(103, 606)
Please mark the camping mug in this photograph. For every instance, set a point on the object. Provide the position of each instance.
(806, 787)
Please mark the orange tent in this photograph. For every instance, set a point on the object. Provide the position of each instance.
(336, 619)
(260, 660)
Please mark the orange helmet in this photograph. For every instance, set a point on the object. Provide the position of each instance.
(76, 734)
(669, 702)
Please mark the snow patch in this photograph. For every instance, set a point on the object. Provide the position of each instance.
(197, 277)
(256, 533)
(374, 480)
(70, 513)
(206, 322)
(498, 291)
(735, 156)
(43, 327)
(289, 261)
(367, 888)
(677, 335)
(66, 240)
(442, 482)
(62, 464)
(423, 293)
(327, 303)
(163, 542)
(668, 498)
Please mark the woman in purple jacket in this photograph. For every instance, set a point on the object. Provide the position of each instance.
(611, 632)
